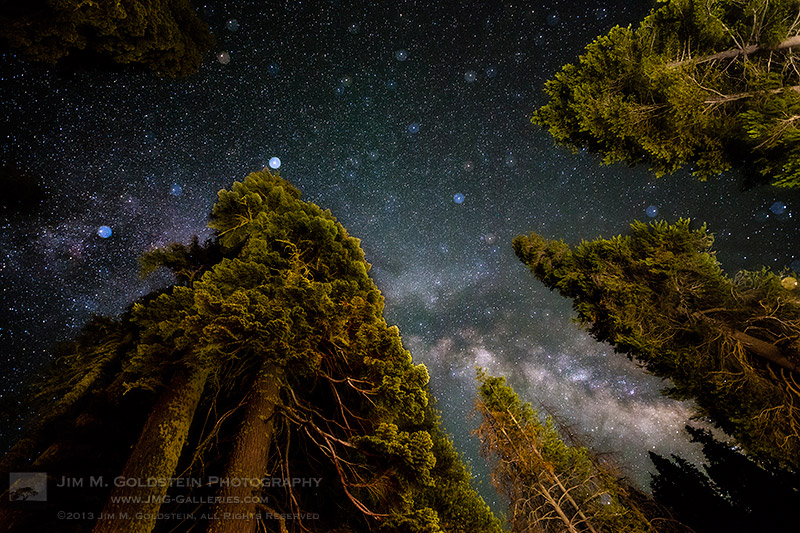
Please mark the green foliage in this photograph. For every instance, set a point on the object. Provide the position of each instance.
(410, 451)
(262, 194)
(549, 485)
(677, 91)
(164, 36)
(281, 286)
(100, 342)
(421, 521)
(773, 125)
(659, 295)
(458, 506)
(78, 369)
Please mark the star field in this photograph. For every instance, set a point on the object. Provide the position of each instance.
(410, 121)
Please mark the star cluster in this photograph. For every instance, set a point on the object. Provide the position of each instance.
(410, 121)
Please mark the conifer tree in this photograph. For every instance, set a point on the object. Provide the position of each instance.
(164, 36)
(730, 493)
(659, 295)
(268, 359)
(549, 485)
(704, 84)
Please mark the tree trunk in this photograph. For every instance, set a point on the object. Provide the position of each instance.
(556, 505)
(763, 349)
(154, 457)
(553, 477)
(730, 54)
(237, 499)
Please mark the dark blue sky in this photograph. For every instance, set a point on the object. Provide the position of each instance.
(381, 114)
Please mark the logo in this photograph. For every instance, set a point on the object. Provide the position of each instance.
(27, 486)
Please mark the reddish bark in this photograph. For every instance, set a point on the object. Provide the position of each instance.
(237, 496)
(154, 457)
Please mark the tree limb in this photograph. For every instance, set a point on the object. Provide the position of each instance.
(791, 42)
(765, 350)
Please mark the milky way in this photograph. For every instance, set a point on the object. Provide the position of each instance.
(410, 121)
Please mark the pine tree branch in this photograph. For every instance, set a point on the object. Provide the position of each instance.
(791, 42)
(550, 474)
(740, 96)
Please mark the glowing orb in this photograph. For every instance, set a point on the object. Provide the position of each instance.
(651, 211)
(176, 190)
(232, 25)
(274, 163)
(778, 208)
(413, 127)
(470, 76)
(789, 283)
(458, 198)
(104, 232)
(224, 58)
(401, 55)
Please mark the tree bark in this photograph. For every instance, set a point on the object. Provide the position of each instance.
(565, 493)
(237, 498)
(741, 96)
(154, 457)
(763, 349)
(730, 54)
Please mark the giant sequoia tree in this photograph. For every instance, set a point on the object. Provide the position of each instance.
(548, 484)
(164, 36)
(660, 296)
(708, 84)
(269, 359)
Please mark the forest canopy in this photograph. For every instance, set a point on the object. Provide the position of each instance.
(548, 484)
(703, 84)
(163, 36)
(268, 359)
(659, 295)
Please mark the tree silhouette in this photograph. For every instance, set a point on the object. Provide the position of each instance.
(730, 493)
(164, 36)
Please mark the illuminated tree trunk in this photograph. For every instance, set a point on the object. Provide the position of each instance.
(791, 42)
(765, 350)
(562, 493)
(549, 485)
(154, 457)
(237, 500)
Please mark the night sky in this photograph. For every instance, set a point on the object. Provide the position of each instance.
(410, 121)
